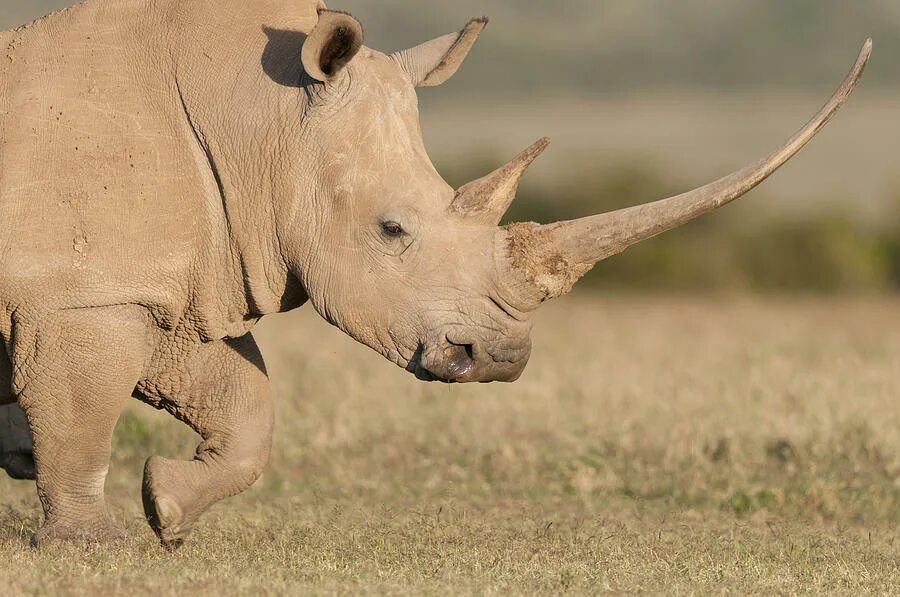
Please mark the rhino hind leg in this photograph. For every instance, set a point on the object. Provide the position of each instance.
(228, 404)
(16, 453)
(81, 370)
(15, 437)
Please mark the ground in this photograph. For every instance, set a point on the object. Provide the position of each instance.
(654, 444)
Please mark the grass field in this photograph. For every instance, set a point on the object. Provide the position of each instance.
(655, 444)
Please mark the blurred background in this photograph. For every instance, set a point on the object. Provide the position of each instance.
(645, 99)
(733, 427)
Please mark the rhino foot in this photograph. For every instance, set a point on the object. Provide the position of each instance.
(102, 532)
(19, 465)
(162, 509)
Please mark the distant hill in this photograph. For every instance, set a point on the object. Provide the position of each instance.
(613, 46)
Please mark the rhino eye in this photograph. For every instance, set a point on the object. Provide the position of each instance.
(392, 229)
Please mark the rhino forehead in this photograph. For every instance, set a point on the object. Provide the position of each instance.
(374, 150)
(380, 111)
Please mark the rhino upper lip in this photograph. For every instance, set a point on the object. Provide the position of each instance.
(424, 374)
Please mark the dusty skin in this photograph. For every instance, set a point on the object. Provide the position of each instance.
(172, 171)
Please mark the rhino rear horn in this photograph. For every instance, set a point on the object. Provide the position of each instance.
(331, 45)
(434, 62)
(486, 200)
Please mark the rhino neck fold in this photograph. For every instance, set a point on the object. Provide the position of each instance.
(257, 280)
(252, 279)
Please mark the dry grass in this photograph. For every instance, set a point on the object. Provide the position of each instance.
(662, 445)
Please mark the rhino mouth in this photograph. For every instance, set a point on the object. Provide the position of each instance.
(456, 365)
(425, 375)
(454, 368)
(455, 362)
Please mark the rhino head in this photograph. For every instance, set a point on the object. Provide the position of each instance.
(422, 272)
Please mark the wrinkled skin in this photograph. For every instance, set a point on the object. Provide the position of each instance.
(422, 292)
(171, 171)
(148, 228)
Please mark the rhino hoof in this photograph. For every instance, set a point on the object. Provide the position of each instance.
(19, 465)
(163, 512)
(165, 517)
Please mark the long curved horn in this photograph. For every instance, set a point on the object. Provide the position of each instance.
(486, 200)
(554, 257)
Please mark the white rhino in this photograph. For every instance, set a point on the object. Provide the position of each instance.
(171, 171)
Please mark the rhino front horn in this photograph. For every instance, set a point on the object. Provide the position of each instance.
(545, 262)
(486, 200)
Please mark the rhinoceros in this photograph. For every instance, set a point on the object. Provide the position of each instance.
(171, 171)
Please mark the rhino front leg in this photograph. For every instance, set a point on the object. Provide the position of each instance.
(227, 402)
(73, 376)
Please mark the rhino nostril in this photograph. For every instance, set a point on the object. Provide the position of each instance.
(460, 360)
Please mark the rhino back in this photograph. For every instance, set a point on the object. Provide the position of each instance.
(101, 197)
(106, 195)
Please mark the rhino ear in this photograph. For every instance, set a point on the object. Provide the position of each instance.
(434, 62)
(331, 45)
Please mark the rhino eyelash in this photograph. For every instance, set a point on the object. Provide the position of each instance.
(392, 229)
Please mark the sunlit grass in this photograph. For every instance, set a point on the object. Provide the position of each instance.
(662, 444)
